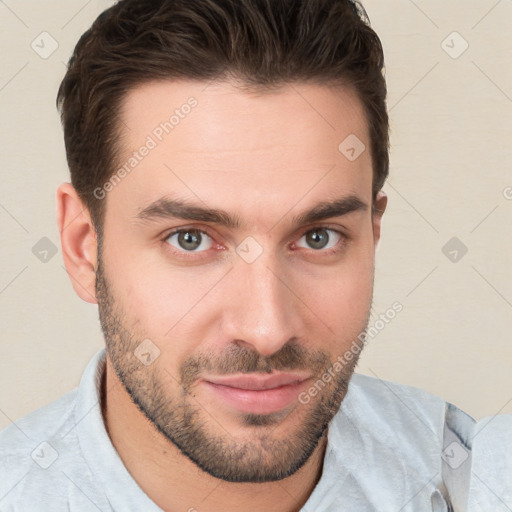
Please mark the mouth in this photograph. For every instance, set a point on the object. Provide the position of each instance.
(257, 394)
(259, 382)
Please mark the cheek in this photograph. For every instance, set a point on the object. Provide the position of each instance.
(165, 303)
(342, 295)
(158, 300)
(346, 298)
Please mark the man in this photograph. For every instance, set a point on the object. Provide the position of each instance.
(227, 160)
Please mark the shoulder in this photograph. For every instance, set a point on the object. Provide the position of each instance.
(491, 483)
(395, 407)
(42, 461)
(42, 422)
(403, 420)
(30, 445)
(399, 436)
(393, 436)
(22, 436)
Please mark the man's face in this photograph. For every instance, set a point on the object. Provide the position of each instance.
(274, 293)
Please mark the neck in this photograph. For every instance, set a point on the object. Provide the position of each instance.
(173, 482)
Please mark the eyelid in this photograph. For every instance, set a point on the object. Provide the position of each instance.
(185, 228)
(330, 227)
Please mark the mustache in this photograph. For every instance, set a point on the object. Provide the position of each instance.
(237, 358)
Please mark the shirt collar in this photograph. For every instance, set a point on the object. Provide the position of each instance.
(121, 489)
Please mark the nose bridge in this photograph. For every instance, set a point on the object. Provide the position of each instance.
(263, 313)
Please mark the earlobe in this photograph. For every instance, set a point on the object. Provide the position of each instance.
(379, 208)
(78, 242)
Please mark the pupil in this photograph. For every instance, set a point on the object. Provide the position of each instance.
(318, 239)
(189, 240)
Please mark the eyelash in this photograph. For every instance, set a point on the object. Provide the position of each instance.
(200, 255)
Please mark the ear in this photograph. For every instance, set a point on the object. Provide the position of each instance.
(78, 241)
(379, 208)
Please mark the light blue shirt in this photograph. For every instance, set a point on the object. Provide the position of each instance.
(390, 448)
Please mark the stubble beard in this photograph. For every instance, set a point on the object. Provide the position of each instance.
(259, 456)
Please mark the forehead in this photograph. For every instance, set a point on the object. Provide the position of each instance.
(218, 143)
(222, 105)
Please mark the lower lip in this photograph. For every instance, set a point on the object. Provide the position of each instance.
(265, 401)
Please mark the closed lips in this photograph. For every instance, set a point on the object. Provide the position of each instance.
(259, 383)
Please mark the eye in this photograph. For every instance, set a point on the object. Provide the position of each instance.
(190, 240)
(322, 238)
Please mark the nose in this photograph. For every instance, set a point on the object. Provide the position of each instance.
(262, 310)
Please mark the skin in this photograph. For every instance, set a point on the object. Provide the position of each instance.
(264, 158)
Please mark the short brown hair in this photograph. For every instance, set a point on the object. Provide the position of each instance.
(262, 43)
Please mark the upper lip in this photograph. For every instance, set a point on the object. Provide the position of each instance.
(259, 382)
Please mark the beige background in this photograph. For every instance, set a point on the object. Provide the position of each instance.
(451, 121)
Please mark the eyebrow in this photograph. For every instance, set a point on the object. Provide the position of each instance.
(165, 208)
